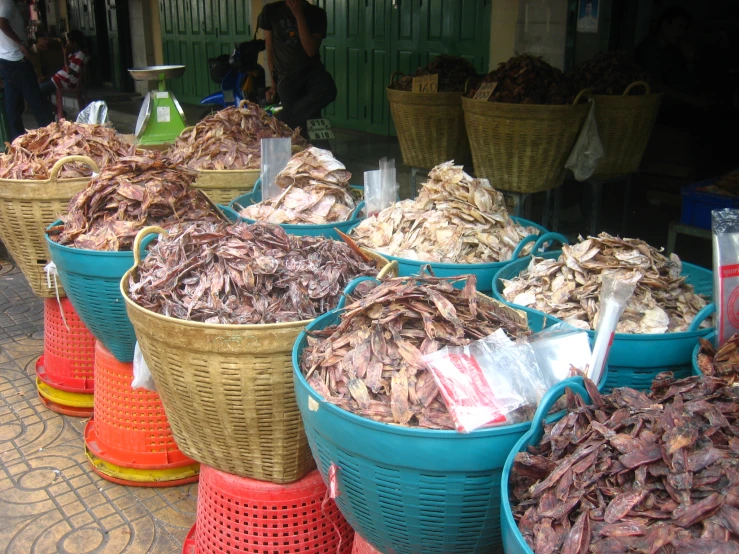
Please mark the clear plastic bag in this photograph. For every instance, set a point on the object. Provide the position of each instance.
(142, 378)
(380, 187)
(587, 150)
(94, 113)
(558, 348)
(725, 224)
(276, 153)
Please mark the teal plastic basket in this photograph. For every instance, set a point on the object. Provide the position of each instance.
(92, 282)
(635, 360)
(711, 337)
(513, 541)
(327, 230)
(408, 490)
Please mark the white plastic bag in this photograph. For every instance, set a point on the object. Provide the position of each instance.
(94, 113)
(588, 148)
(558, 348)
(142, 378)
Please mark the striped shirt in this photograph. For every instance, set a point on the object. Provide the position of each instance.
(68, 78)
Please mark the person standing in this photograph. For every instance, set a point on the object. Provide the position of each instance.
(293, 32)
(19, 78)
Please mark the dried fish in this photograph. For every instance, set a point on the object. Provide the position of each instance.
(129, 195)
(230, 139)
(381, 338)
(245, 274)
(723, 362)
(315, 191)
(610, 73)
(617, 505)
(726, 185)
(569, 287)
(454, 219)
(453, 72)
(528, 79)
(32, 155)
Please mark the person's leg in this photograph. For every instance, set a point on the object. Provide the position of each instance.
(47, 88)
(290, 89)
(13, 99)
(28, 83)
(320, 92)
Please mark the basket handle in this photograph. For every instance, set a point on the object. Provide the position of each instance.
(549, 237)
(576, 384)
(583, 92)
(139, 244)
(243, 103)
(395, 76)
(636, 84)
(354, 283)
(389, 268)
(357, 211)
(57, 167)
(524, 242)
(701, 316)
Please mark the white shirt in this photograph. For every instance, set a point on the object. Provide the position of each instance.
(9, 49)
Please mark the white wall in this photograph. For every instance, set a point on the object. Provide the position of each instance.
(542, 29)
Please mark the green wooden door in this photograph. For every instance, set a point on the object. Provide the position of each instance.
(194, 31)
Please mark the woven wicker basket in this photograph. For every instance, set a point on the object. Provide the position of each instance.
(225, 185)
(228, 389)
(625, 124)
(27, 208)
(522, 147)
(430, 127)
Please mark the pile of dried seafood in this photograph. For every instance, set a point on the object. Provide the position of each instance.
(316, 191)
(723, 362)
(454, 219)
(230, 139)
(453, 72)
(371, 362)
(32, 155)
(569, 287)
(726, 185)
(528, 79)
(610, 73)
(127, 196)
(635, 473)
(244, 274)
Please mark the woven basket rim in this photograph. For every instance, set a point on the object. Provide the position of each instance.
(651, 95)
(423, 94)
(228, 171)
(67, 180)
(512, 105)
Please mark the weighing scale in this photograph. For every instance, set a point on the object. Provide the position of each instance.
(161, 119)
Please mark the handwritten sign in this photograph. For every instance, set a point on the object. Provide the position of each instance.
(425, 83)
(485, 91)
(319, 129)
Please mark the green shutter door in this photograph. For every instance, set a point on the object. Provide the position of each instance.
(377, 72)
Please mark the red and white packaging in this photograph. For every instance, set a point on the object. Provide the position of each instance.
(725, 225)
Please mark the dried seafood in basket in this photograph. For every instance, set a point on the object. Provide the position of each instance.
(230, 139)
(127, 196)
(453, 72)
(610, 72)
(244, 274)
(32, 155)
(726, 185)
(528, 79)
(315, 191)
(371, 362)
(635, 473)
(723, 361)
(569, 287)
(454, 219)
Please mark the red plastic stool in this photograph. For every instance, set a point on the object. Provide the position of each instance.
(129, 440)
(65, 372)
(237, 514)
(361, 546)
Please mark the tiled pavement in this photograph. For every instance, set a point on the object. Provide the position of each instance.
(50, 500)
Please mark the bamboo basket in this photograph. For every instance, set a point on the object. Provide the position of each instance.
(27, 208)
(522, 148)
(228, 390)
(625, 124)
(430, 127)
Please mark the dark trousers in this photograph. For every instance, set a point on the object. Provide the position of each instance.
(304, 94)
(21, 84)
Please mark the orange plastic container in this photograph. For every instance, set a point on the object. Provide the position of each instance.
(129, 440)
(65, 372)
(361, 546)
(238, 515)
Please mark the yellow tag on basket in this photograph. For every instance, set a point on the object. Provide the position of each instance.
(426, 83)
(485, 91)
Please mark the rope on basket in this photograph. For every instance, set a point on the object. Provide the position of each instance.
(332, 491)
(51, 271)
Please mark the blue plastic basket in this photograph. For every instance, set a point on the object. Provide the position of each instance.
(327, 230)
(635, 360)
(513, 541)
(408, 490)
(698, 205)
(92, 281)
